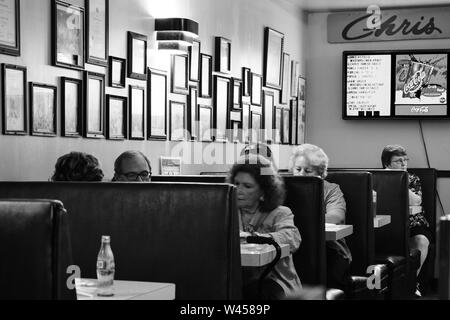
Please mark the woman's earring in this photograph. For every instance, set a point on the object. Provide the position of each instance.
(261, 198)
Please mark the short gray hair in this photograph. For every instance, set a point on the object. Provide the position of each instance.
(315, 156)
(129, 155)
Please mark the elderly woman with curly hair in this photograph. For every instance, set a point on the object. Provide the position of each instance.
(260, 193)
(77, 166)
(310, 160)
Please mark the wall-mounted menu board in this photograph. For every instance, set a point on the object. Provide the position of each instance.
(407, 84)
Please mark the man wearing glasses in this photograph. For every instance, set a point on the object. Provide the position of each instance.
(132, 166)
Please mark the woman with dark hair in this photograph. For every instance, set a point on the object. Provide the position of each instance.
(260, 193)
(77, 166)
(394, 157)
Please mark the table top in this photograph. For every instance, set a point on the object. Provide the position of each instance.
(335, 232)
(126, 290)
(381, 220)
(258, 255)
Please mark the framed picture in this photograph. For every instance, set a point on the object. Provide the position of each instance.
(137, 56)
(205, 122)
(301, 123)
(268, 113)
(137, 113)
(97, 32)
(10, 25)
(94, 113)
(235, 126)
(273, 56)
(71, 107)
(117, 72)
(286, 73)
(285, 137)
(223, 55)
(246, 126)
(293, 130)
(177, 121)
(179, 74)
(116, 117)
(206, 76)
(246, 82)
(14, 99)
(278, 121)
(157, 100)
(193, 112)
(221, 107)
(255, 126)
(43, 107)
(170, 166)
(68, 35)
(301, 89)
(256, 89)
(194, 61)
(295, 73)
(236, 93)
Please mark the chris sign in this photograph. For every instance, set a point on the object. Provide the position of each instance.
(383, 25)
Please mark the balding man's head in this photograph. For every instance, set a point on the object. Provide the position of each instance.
(132, 166)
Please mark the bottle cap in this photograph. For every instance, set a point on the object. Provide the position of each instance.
(106, 238)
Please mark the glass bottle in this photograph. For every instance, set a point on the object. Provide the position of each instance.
(105, 269)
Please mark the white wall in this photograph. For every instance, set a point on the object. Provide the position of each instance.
(241, 21)
(358, 144)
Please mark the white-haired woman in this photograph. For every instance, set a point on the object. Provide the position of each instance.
(310, 160)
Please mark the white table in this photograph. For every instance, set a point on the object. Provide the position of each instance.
(381, 220)
(126, 290)
(258, 255)
(335, 232)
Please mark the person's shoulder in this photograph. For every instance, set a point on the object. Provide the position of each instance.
(331, 187)
(282, 210)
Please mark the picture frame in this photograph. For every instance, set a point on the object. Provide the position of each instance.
(14, 99)
(205, 76)
(10, 37)
(117, 72)
(94, 112)
(43, 109)
(301, 89)
(192, 113)
(236, 93)
(246, 125)
(97, 32)
(256, 120)
(170, 166)
(157, 104)
(222, 55)
(301, 123)
(256, 89)
(268, 115)
(235, 126)
(285, 136)
(293, 129)
(68, 35)
(295, 73)
(194, 61)
(179, 74)
(246, 82)
(205, 121)
(177, 121)
(137, 56)
(277, 125)
(286, 73)
(137, 114)
(71, 107)
(116, 117)
(222, 86)
(273, 56)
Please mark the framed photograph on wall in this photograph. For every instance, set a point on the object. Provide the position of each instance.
(293, 129)
(10, 25)
(236, 93)
(301, 89)
(285, 137)
(117, 72)
(222, 87)
(256, 89)
(223, 55)
(295, 73)
(205, 76)
(205, 121)
(235, 126)
(286, 74)
(137, 56)
(246, 126)
(278, 121)
(97, 32)
(179, 74)
(94, 113)
(246, 81)
(157, 100)
(71, 107)
(14, 99)
(301, 123)
(177, 121)
(273, 56)
(137, 113)
(268, 113)
(255, 126)
(192, 112)
(194, 61)
(43, 108)
(116, 117)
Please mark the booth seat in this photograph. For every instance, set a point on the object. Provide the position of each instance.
(186, 234)
(444, 258)
(35, 250)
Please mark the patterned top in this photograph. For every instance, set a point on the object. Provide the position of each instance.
(415, 200)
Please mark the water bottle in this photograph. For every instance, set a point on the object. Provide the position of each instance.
(105, 269)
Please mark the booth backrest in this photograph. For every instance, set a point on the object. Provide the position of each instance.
(35, 250)
(187, 234)
(357, 189)
(444, 258)
(305, 199)
(191, 179)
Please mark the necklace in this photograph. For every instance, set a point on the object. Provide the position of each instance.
(248, 223)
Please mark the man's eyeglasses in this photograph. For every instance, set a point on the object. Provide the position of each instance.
(401, 160)
(133, 176)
